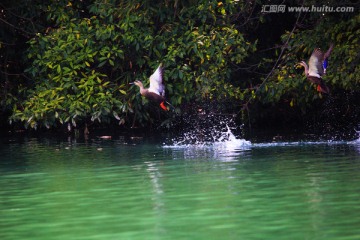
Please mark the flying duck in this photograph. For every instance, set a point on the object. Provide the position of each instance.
(156, 91)
(317, 68)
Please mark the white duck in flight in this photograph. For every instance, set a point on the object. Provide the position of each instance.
(317, 68)
(156, 91)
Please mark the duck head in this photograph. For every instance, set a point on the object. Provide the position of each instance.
(138, 83)
(306, 68)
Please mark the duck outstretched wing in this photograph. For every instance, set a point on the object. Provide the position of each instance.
(156, 82)
(316, 68)
(316, 61)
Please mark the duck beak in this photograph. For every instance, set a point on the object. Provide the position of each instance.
(134, 82)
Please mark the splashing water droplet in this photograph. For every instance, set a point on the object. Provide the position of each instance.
(228, 141)
(211, 137)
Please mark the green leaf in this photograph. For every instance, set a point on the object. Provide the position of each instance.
(102, 64)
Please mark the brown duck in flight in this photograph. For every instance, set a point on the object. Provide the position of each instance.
(156, 91)
(317, 68)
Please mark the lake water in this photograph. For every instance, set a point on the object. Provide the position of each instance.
(113, 189)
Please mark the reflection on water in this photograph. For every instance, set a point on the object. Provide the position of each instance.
(113, 190)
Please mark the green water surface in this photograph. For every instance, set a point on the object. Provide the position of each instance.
(106, 189)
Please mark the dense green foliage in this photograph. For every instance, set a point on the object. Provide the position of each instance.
(19, 21)
(82, 66)
(74, 60)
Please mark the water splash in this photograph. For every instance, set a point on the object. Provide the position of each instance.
(211, 143)
(213, 138)
(228, 141)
